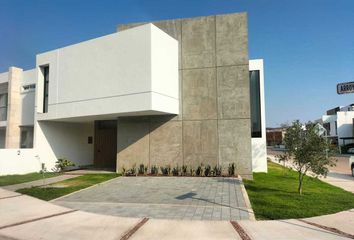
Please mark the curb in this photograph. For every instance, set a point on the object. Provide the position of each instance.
(247, 200)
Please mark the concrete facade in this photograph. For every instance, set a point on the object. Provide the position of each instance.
(214, 124)
(12, 139)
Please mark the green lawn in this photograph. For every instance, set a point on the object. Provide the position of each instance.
(67, 186)
(15, 179)
(273, 195)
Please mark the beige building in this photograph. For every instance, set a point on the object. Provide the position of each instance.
(17, 108)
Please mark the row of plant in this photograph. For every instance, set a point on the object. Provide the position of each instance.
(184, 170)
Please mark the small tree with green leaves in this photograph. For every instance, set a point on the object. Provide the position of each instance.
(307, 149)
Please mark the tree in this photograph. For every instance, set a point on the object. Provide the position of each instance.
(307, 149)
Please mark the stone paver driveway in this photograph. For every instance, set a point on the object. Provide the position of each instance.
(189, 198)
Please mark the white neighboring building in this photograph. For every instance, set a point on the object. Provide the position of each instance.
(339, 124)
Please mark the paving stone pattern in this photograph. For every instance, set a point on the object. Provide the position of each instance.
(189, 198)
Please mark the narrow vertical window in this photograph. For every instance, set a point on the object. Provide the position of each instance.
(45, 71)
(3, 107)
(256, 120)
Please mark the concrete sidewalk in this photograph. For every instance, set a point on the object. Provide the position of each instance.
(24, 217)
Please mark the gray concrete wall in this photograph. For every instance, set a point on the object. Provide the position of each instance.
(213, 126)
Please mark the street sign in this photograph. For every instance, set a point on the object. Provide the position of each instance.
(347, 87)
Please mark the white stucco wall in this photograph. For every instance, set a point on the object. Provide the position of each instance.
(119, 74)
(19, 161)
(28, 98)
(55, 140)
(345, 125)
(259, 145)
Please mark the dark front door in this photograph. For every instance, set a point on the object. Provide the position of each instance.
(105, 144)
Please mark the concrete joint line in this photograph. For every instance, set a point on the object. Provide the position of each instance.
(130, 232)
(240, 231)
(10, 196)
(330, 229)
(36, 219)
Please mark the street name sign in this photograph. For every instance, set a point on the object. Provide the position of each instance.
(347, 87)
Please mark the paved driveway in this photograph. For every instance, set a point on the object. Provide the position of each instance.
(189, 198)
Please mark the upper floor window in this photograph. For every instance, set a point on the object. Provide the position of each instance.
(45, 71)
(3, 107)
(255, 93)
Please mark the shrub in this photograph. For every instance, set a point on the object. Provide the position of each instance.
(154, 170)
(184, 170)
(145, 170)
(207, 170)
(217, 171)
(231, 169)
(191, 171)
(131, 171)
(199, 171)
(165, 170)
(62, 163)
(175, 171)
(141, 169)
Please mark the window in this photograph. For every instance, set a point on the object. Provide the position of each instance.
(255, 93)
(28, 88)
(336, 127)
(3, 107)
(26, 137)
(45, 71)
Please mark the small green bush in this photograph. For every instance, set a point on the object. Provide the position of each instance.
(154, 170)
(175, 171)
(207, 170)
(199, 171)
(231, 169)
(141, 169)
(217, 171)
(184, 170)
(62, 163)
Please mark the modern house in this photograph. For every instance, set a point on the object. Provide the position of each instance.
(339, 122)
(174, 92)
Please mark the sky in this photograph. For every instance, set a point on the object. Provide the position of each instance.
(307, 45)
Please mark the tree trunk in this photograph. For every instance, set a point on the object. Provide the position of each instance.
(301, 177)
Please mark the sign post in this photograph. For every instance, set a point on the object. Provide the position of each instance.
(343, 88)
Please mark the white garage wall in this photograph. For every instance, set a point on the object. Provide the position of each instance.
(55, 140)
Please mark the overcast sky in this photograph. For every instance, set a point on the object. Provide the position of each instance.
(307, 45)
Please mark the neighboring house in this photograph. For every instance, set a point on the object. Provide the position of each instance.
(339, 124)
(175, 92)
(275, 136)
(17, 94)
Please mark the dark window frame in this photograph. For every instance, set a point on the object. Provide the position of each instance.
(45, 71)
(255, 101)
